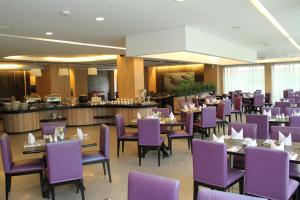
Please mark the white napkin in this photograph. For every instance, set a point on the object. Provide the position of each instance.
(268, 113)
(275, 147)
(79, 133)
(293, 156)
(219, 140)
(185, 107)
(237, 135)
(286, 140)
(171, 116)
(138, 116)
(249, 142)
(192, 106)
(56, 133)
(204, 105)
(31, 138)
(296, 113)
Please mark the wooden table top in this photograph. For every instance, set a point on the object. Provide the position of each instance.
(295, 148)
(40, 144)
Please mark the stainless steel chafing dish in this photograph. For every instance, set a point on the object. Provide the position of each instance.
(53, 99)
(34, 98)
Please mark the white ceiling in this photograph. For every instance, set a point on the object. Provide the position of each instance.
(125, 17)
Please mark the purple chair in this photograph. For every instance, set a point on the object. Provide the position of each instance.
(258, 102)
(250, 131)
(149, 137)
(227, 108)
(69, 169)
(274, 110)
(268, 99)
(257, 92)
(101, 155)
(267, 174)
(262, 123)
(295, 133)
(294, 121)
(287, 93)
(188, 133)
(208, 121)
(283, 106)
(237, 107)
(48, 128)
(165, 113)
(207, 194)
(290, 111)
(210, 167)
(170, 108)
(18, 168)
(123, 136)
(221, 118)
(142, 186)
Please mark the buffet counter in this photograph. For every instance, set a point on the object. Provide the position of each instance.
(19, 121)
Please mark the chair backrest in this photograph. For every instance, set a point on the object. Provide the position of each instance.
(294, 121)
(238, 103)
(120, 125)
(268, 97)
(196, 102)
(267, 173)
(274, 110)
(68, 155)
(189, 123)
(292, 100)
(149, 132)
(149, 187)
(287, 93)
(257, 92)
(48, 128)
(207, 194)
(262, 123)
(208, 117)
(221, 111)
(286, 130)
(165, 112)
(227, 107)
(282, 105)
(259, 100)
(170, 108)
(290, 111)
(210, 162)
(7, 157)
(104, 140)
(249, 130)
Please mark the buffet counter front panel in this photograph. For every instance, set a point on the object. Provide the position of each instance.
(22, 121)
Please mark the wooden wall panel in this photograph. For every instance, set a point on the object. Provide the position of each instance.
(81, 83)
(212, 74)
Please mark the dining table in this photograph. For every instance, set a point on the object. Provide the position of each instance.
(236, 147)
(40, 143)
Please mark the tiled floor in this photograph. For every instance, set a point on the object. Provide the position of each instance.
(179, 166)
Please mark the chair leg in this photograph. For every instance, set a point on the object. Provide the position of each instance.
(7, 184)
(81, 190)
(241, 186)
(170, 146)
(214, 129)
(195, 190)
(230, 118)
(52, 192)
(104, 169)
(108, 170)
(118, 148)
(189, 145)
(139, 151)
(42, 183)
(241, 117)
(235, 116)
(158, 155)
(123, 146)
(163, 149)
(223, 128)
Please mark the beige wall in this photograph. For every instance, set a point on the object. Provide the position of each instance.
(214, 74)
(268, 78)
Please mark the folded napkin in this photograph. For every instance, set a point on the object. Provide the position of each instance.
(204, 105)
(275, 147)
(79, 133)
(296, 113)
(293, 155)
(138, 116)
(286, 140)
(185, 107)
(268, 141)
(249, 142)
(192, 106)
(31, 138)
(268, 113)
(237, 135)
(56, 132)
(172, 117)
(234, 148)
(219, 140)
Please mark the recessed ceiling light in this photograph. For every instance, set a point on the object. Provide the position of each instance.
(236, 27)
(179, 0)
(99, 18)
(49, 33)
(65, 12)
